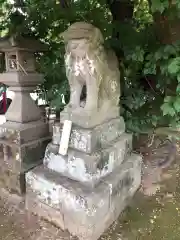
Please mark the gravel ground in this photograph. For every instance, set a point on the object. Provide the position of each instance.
(18, 224)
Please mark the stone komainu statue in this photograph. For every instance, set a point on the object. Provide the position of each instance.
(89, 64)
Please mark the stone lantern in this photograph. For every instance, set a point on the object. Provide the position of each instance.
(25, 135)
(21, 77)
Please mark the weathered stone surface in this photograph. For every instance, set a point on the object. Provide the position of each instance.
(23, 148)
(44, 210)
(23, 108)
(20, 133)
(87, 120)
(16, 159)
(10, 177)
(24, 135)
(27, 153)
(89, 168)
(88, 63)
(86, 213)
(89, 140)
(22, 78)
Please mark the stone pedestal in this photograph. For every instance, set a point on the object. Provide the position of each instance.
(80, 118)
(23, 148)
(86, 190)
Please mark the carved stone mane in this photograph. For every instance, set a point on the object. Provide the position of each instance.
(89, 64)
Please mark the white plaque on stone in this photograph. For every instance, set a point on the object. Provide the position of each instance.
(64, 142)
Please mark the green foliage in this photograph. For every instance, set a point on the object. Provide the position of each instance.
(160, 69)
(150, 70)
(159, 5)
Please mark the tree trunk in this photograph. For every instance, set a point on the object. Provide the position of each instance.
(122, 10)
(122, 13)
(167, 30)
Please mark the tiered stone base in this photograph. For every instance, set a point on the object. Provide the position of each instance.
(89, 140)
(88, 169)
(86, 213)
(86, 190)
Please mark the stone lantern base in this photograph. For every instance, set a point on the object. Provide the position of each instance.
(23, 148)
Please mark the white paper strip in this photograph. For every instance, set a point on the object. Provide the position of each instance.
(66, 132)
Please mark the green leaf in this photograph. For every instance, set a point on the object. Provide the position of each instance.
(176, 104)
(154, 120)
(168, 109)
(178, 89)
(170, 49)
(177, 2)
(159, 6)
(178, 77)
(150, 68)
(164, 69)
(149, 57)
(167, 99)
(174, 66)
(158, 55)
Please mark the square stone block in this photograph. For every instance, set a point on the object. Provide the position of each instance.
(89, 140)
(89, 168)
(18, 159)
(19, 133)
(11, 178)
(26, 153)
(86, 213)
(43, 210)
(91, 120)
